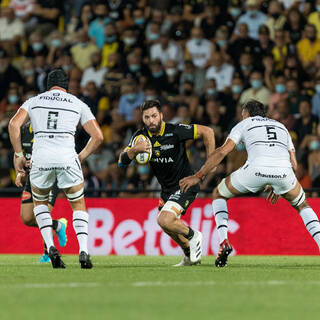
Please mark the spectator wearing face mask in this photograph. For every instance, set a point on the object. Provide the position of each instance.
(94, 73)
(135, 68)
(130, 40)
(83, 50)
(173, 76)
(316, 99)
(314, 161)
(112, 44)
(279, 93)
(199, 49)
(158, 75)
(166, 49)
(257, 91)
(253, 18)
(36, 45)
(276, 19)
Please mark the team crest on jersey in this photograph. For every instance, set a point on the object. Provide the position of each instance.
(157, 153)
(156, 144)
(186, 203)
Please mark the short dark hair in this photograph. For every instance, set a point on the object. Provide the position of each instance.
(255, 108)
(57, 77)
(150, 104)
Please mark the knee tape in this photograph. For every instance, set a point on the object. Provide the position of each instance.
(173, 207)
(223, 190)
(299, 199)
(76, 195)
(40, 197)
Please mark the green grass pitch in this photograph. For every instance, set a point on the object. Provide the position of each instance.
(251, 287)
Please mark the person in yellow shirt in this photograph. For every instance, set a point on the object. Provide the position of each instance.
(314, 18)
(309, 46)
(280, 50)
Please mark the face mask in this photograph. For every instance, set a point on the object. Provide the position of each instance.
(148, 98)
(28, 73)
(95, 64)
(314, 145)
(111, 39)
(153, 36)
(171, 72)
(318, 8)
(211, 91)
(139, 21)
(253, 13)
(37, 46)
(129, 41)
(197, 41)
(67, 67)
(222, 43)
(189, 77)
(240, 147)
(13, 98)
(245, 68)
(280, 88)
(256, 84)
(187, 92)
(275, 16)
(100, 16)
(143, 169)
(131, 97)
(89, 16)
(318, 88)
(56, 43)
(83, 44)
(157, 74)
(235, 12)
(236, 88)
(134, 67)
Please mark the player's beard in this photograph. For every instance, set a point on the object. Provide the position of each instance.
(155, 129)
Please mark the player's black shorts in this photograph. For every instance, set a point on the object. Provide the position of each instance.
(183, 198)
(27, 194)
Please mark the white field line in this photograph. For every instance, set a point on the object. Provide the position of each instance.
(214, 283)
(52, 285)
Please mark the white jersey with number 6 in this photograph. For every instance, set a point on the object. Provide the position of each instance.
(267, 141)
(55, 115)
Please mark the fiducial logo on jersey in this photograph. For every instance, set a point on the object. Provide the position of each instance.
(56, 98)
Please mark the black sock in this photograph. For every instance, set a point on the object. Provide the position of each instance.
(45, 248)
(54, 224)
(187, 252)
(190, 234)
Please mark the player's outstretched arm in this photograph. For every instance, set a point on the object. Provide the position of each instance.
(207, 134)
(96, 138)
(213, 160)
(15, 124)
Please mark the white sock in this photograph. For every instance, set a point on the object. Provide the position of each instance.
(312, 223)
(44, 220)
(80, 225)
(220, 211)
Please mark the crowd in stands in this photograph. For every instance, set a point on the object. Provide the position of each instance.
(201, 59)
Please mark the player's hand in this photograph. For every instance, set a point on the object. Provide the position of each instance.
(187, 182)
(142, 146)
(19, 164)
(19, 177)
(272, 197)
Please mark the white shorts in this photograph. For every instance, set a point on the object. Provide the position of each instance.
(251, 178)
(68, 175)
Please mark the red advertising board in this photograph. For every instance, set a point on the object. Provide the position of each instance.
(129, 227)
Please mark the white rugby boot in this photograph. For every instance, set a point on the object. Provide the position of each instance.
(185, 262)
(195, 247)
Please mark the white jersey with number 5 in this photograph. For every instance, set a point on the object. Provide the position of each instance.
(267, 141)
(55, 115)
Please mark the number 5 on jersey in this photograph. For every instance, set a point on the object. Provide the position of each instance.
(52, 119)
(271, 133)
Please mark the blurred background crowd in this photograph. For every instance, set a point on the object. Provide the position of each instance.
(200, 58)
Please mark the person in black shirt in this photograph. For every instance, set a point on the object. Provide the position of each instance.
(169, 164)
(26, 211)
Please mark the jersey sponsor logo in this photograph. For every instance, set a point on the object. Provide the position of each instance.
(56, 98)
(187, 126)
(25, 195)
(156, 144)
(162, 160)
(167, 147)
(273, 176)
(168, 135)
(54, 168)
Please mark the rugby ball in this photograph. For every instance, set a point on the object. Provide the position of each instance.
(144, 157)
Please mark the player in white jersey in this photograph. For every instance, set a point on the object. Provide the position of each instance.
(271, 161)
(55, 115)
